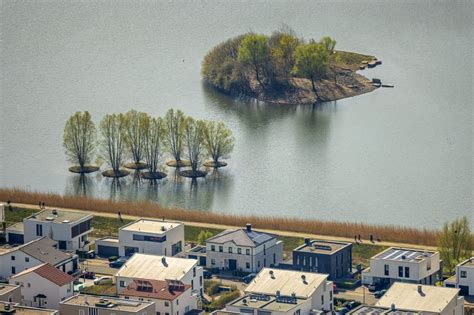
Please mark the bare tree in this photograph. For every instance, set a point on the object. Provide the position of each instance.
(175, 125)
(79, 139)
(194, 141)
(154, 138)
(218, 141)
(112, 129)
(455, 243)
(136, 124)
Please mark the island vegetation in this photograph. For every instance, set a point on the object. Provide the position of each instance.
(283, 68)
(135, 140)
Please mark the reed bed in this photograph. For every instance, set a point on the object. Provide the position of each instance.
(388, 233)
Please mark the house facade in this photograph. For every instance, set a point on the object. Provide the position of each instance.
(403, 265)
(10, 293)
(329, 257)
(83, 304)
(43, 286)
(465, 277)
(146, 236)
(69, 229)
(243, 249)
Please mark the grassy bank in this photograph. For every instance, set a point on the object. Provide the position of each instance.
(392, 233)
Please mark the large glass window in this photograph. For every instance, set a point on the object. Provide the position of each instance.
(81, 228)
(149, 238)
(39, 230)
(407, 272)
(400, 271)
(386, 270)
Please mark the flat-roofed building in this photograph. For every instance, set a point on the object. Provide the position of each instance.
(15, 234)
(17, 309)
(147, 236)
(69, 228)
(170, 297)
(277, 291)
(97, 305)
(153, 267)
(463, 278)
(35, 253)
(366, 309)
(403, 265)
(330, 257)
(243, 249)
(423, 299)
(10, 293)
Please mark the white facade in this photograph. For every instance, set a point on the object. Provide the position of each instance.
(2, 213)
(70, 229)
(403, 265)
(465, 277)
(34, 287)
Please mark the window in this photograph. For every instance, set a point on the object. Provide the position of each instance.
(81, 312)
(400, 271)
(177, 301)
(330, 295)
(149, 238)
(221, 249)
(463, 274)
(167, 304)
(386, 270)
(29, 285)
(39, 230)
(213, 248)
(200, 280)
(213, 261)
(93, 311)
(12, 257)
(247, 251)
(298, 312)
(13, 270)
(194, 272)
(27, 259)
(247, 265)
(407, 272)
(258, 264)
(322, 299)
(81, 228)
(192, 284)
(230, 250)
(122, 284)
(264, 249)
(239, 250)
(428, 264)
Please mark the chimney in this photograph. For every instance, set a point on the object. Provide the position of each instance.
(307, 241)
(420, 289)
(392, 307)
(249, 227)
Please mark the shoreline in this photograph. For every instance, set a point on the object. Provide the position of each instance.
(388, 234)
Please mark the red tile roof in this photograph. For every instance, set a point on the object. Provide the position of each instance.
(157, 289)
(50, 273)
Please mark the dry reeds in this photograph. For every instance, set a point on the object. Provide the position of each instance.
(388, 233)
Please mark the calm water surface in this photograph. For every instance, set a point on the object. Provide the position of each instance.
(394, 156)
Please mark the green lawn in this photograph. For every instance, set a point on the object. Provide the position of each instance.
(17, 215)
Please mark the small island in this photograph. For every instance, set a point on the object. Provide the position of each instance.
(284, 69)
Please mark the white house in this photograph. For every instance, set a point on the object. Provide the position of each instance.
(403, 265)
(276, 291)
(465, 277)
(69, 228)
(170, 297)
(243, 249)
(35, 253)
(153, 267)
(147, 236)
(10, 293)
(423, 298)
(17, 309)
(83, 304)
(43, 286)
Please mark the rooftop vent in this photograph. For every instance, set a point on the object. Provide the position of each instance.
(249, 227)
(322, 247)
(404, 257)
(66, 221)
(163, 228)
(303, 277)
(271, 274)
(420, 290)
(392, 307)
(102, 303)
(163, 260)
(307, 241)
(244, 301)
(49, 218)
(55, 212)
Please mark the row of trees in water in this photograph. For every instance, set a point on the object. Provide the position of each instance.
(142, 141)
(270, 60)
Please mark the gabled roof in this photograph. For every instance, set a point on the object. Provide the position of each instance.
(43, 249)
(407, 296)
(242, 237)
(302, 284)
(146, 266)
(48, 272)
(158, 289)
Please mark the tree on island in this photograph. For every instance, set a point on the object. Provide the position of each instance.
(113, 143)
(253, 51)
(218, 141)
(282, 45)
(153, 144)
(455, 243)
(175, 122)
(194, 143)
(136, 125)
(311, 62)
(79, 141)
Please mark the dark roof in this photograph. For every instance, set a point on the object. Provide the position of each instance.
(44, 250)
(242, 237)
(157, 289)
(48, 272)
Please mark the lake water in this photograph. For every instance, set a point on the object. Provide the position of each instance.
(393, 156)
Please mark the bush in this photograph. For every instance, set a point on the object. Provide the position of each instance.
(223, 300)
(211, 287)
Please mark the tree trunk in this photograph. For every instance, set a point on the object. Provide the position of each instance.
(314, 89)
(257, 76)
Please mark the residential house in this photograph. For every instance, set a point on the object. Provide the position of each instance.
(10, 293)
(147, 236)
(17, 309)
(277, 291)
(403, 265)
(329, 257)
(43, 286)
(243, 249)
(426, 299)
(170, 297)
(153, 267)
(34, 253)
(464, 277)
(82, 304)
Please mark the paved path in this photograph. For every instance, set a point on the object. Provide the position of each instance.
(217, 226)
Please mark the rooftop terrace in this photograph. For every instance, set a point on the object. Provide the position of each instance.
(268, 303)
(404, 254)
(59, 216)
(150, 226)
(109, 303)
(322, 247)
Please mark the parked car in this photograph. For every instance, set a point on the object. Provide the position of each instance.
(102, 280)
(88, 275)
(207, 274)
(118, 263)
(248, 278)
(373, 287)
(379, 294)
